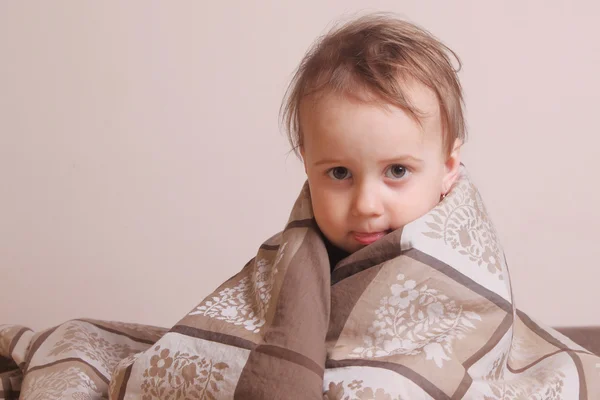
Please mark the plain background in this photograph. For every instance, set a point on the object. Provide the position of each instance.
(141, 161)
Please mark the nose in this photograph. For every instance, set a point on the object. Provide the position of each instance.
(367, 201)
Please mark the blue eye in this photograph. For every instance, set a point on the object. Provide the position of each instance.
(339, 173)
(396, 171)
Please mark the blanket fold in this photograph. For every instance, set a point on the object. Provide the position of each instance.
(426, 312)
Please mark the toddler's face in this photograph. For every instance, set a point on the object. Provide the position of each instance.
(373, 169)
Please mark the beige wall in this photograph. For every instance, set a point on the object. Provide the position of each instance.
(141, 163)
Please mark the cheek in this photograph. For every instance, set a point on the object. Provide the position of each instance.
(414, 203)
(328, 208)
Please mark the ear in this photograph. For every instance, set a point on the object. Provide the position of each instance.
(452, 166)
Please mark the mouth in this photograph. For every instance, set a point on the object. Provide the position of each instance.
(368, 237)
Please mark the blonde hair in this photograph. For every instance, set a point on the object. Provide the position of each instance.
(376, 54)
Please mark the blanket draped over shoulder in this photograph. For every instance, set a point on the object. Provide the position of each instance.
(426, 312)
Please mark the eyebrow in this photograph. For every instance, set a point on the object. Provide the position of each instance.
(395, 160)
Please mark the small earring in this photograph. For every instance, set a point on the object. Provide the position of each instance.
(443, 196)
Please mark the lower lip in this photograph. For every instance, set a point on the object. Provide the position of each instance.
(363, 238)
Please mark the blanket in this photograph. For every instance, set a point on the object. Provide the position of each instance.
(426, 312)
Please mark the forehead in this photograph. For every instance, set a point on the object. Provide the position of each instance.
(331, 120)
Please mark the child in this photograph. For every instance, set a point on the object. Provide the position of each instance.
(375, 110)
(388, 281)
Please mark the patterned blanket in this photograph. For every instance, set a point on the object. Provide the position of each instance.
(424, 313)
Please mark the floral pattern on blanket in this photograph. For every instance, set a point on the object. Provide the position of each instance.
(182, 376)
(544, 382)
(70, 383)
(462, 221)
(247, 302)
(416, 319)
(91, 345)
